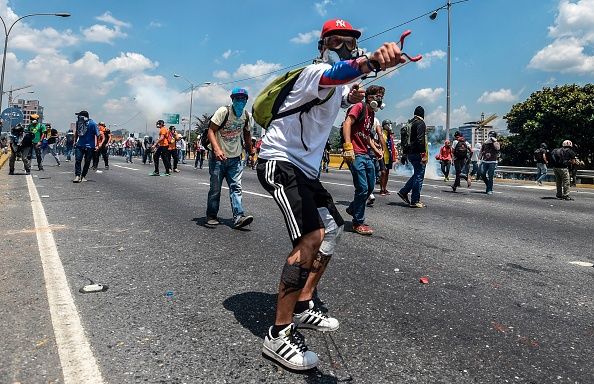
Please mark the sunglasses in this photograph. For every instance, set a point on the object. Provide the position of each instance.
(336, 42)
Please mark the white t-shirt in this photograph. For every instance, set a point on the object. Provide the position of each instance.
(283, 137)
(230, 136)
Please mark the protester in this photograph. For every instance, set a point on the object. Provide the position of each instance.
(462, 154)
(38, 131)
(488, 157)
(199, 151)
(173, 138)
(561, 159)
(181, 148)
(474, 160)
(227, 126)
(161, 150)
(85, 138)
(416, 153)
(147, 146)
(130, 145)
(541, 157)
(102, 146)
(288, 168)
(48, 144)
(69, 144)
(357, 131)
(21, 143)
(445, 159)
(389, 158)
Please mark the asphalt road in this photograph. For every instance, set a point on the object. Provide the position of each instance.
(191, 304)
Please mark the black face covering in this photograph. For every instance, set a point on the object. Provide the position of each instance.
(344, 53)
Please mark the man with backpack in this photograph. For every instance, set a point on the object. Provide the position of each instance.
(20, 144)
(85, 138)
(288, 165)
(38, 131)
(461, 153)
(357, 129)
(541, 157)
(415, 147)
(561, 159)
(488, 158)
(225, 130)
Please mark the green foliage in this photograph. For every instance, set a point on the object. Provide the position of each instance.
(550, 116)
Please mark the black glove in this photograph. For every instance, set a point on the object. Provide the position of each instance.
(403, 160)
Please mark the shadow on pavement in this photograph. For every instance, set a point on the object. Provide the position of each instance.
(253, 310)
(549, 198)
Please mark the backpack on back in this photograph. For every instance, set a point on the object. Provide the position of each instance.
(204, 142)
(461, 149)
(268, 102)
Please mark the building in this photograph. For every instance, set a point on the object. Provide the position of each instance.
(476, 132)
(28, 107)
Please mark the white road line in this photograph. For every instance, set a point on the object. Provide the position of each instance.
(76, 357)
(121, 166)
(331, 183)
(244, 191)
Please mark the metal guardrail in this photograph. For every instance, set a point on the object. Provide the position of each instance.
(581, 173)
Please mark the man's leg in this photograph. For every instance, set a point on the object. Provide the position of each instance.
(39, 158)
(13, 155)
(233, 173)
(216, 171)
(54, 154)
(156, 159)
(78, 157)
(491, 176)
(88, 154)
(357, 206)
(165, 156)
(565, 182)
(418, 177)
(105, 156)
(95, 159)
(174, 154)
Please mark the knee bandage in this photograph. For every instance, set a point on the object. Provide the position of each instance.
(330, 240)
(294, 277)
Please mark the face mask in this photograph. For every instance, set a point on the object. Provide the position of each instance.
(377, 105)
(331, 56)
(33, 121)
(238, 106)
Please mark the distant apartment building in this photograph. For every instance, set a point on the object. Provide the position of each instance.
(28, 107)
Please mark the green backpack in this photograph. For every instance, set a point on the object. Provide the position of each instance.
(269, 101)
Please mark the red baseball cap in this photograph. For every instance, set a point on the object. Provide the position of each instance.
(339, 27)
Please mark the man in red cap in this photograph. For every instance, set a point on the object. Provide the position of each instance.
(288, 167)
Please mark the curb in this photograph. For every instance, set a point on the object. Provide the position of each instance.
(4, 158)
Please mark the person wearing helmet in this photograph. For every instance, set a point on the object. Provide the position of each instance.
(227, 127)
(488, 157)
(561, 159)
(389, 158)
(288, 167)
(38, 131)
(160, 149)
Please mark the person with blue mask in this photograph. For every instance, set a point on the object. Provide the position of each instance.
(225, 131)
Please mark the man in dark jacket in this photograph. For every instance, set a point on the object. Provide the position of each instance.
(461, 153)
(561, 159)
(416, 153)
(488, 157)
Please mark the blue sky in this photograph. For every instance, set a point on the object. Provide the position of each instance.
(117, 58)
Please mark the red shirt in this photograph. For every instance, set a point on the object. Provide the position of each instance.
(360, 131)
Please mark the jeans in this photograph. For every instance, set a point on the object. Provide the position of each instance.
(101, 152)
(129, 153)
(475, 169)
(488, 174)
(79, 153)
(542, 172)
(25, 156)
(415, 183)
(38, 156)
(363, 172)
(182, 156)
(460, 165)
(199, 159)
(562, 181)
(147, 154)
(230, 170)
(445, 168)
(68, 153)
(173, 153)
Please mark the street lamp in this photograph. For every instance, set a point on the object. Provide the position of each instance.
(7, 32)
(433, 16)
(192, 87)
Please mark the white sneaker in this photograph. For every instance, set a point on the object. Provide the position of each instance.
(371, 200)
(289, 349)
(314, 319)
(76, 179)
(83, 179)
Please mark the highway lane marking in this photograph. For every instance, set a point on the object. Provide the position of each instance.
(121, 166)
(244, 191)
(77, 360)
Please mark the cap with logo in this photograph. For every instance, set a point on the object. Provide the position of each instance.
(339, 27)
(239, 92)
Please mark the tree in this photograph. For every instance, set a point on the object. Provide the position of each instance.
(550, 116)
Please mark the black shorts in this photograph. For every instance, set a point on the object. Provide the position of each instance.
(297, 196)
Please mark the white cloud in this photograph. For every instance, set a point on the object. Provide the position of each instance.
(573, 34)
(321, 7)
(102, 33)
(228, 53)
(500, 96)
(429, 56)
(108, 18)
(130, 62)
(422, 96)
(437, 116)
(117, 105)
(306, 38)
(221, 74)
(259, 69)
(155, 24)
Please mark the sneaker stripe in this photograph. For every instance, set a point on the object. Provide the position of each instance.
(317, 322)
(278, 351)
(291, 356)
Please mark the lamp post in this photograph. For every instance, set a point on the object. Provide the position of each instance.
(433, 16)
(7, 32)
(192, 87)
